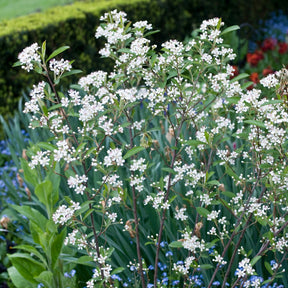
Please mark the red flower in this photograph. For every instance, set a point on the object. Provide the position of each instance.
(283, 47)
(254, 58)
(235, 72)
(267, 71)
(269, 44)
(254, 77)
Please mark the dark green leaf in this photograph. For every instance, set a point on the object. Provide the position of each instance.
(18, 280)
(133, 151)
(176, 244)
(257, 123)
(230, 29)
(57, 52)
(203, 211)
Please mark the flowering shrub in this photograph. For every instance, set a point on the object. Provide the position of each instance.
(176, 175)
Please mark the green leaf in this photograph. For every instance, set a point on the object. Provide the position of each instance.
(27, 266)
(206, 266)
(272, 102)
(32, 250)
(230, 29)
(56, 246)
(231, 173)
(213, 183)
(203, 211)
(194, 143)
(169, 170)
(133, 151)
(268, 267)
(18, 280)
(46, 277)
(30, 175)
(33, 215)
(17, 64)
(176, 244)
(257, 123)
(228, 194)
(117, 270)
(57, 52)
(44, 192)
(83, 260)
(255, 260)
(239, 77)
(46, 146)
(72, 72)
(43, 50)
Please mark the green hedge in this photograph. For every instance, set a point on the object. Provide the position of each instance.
(74, 25)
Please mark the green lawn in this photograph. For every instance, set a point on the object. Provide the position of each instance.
(14, 8)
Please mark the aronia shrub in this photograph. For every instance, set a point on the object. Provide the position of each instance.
(177, 174)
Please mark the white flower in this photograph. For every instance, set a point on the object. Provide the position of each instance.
(180, 214)
(28, 55)
(78, 183)
(269, 81)
(95, 79)
(63, 214)
(245, 268)
(59, 67)
(114, 157)
(138, 165)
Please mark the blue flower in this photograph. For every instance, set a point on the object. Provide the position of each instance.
(116, 277)
(169, 253)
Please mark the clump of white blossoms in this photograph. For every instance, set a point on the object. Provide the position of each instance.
(28, 56)
(114, 157)
(64, 214)
(59, 67)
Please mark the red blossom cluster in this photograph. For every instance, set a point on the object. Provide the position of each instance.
(261, 54)
(268, 44)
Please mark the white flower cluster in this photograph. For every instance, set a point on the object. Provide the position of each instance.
(138, 165)
(42, 158)
(37, 93)
(59, 67)
(180, 214)
(28, 56)
(64, 151)
(183, 268)
(78, 183)
(76, 238)
(158, 201)
(210, 30)
(193, 243)
(270, 81)
(114, 157)
(95, 79)
(63, 214)
(244, 268)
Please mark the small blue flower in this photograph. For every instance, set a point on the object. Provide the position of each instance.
(163, 244)
(116, 277)
(169, 253)
(132, 268)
